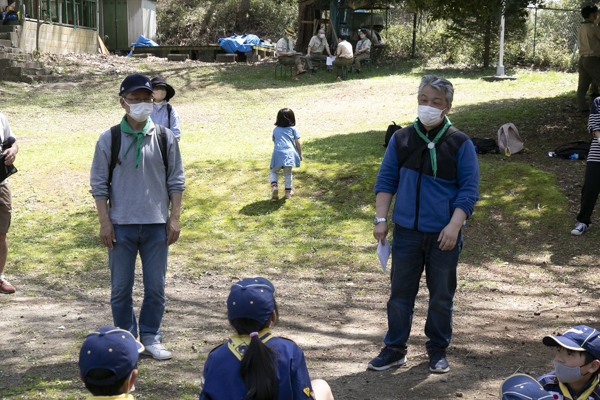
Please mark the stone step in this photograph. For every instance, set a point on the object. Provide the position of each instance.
(36, 71)
(177, 57)
(39, 78)
(5, 35)
(34, 64)
(4, 42)
(16, 56)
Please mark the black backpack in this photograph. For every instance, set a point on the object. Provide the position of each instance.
(568, 150)
(115, 146)
(390, 131)
(485, 145)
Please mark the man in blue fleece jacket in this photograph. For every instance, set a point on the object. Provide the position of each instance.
(433, 170)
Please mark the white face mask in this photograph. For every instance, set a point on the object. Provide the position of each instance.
(159, 104)
(141, 111)
(429, 116)
(322, 35)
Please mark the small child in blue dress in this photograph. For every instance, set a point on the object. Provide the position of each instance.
(287, 152)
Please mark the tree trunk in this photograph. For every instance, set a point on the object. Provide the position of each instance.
(487, 42)
(242, 17)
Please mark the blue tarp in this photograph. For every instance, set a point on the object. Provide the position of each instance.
(241, 43)
(142, 41)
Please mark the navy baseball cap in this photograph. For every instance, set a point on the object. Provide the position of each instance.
(109, 348)
(523, 387)
(251, 298)
(579, 338)
(135, 82)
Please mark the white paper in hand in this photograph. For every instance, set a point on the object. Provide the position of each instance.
(383, 252)
(329, 61)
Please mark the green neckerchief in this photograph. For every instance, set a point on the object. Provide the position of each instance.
(288, 43)
(583, 396)
(238, 344)
(127, 129)
(431, 143)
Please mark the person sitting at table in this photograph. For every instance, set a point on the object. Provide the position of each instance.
(286, 54)
(363, 49)
(316, 46)
(343, 57)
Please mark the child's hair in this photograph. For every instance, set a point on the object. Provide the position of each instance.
(258, 366)
(285, 118)
(588, 359)
(250, 307)
(101, 374)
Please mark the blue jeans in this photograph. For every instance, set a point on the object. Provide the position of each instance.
(151, 242)
(411, 251)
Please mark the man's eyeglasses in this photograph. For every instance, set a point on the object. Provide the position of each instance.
(138, 101)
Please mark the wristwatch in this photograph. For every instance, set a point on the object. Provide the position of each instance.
(378, 220)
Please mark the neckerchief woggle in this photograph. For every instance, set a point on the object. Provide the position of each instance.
(137, 138)
(238, 344)
(583, 396)
(431, 143)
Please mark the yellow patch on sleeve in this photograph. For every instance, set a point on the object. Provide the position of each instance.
(309, 393)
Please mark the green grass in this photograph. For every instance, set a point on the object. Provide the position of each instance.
(228, 223)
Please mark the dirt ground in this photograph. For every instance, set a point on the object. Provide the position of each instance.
(504, 305)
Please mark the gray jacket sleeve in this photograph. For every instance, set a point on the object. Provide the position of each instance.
(175, 173)
(100, 167)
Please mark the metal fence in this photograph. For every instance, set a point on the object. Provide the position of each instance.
(553, 27)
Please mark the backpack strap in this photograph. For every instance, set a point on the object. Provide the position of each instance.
(115, 147)
(169, 108)
(162, 144)
(451, 131)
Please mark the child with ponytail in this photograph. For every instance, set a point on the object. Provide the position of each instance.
(255, 364)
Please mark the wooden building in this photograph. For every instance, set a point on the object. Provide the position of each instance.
(341, 17)
(75, 25)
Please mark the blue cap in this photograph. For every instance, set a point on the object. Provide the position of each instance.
(109, 348)
(523, 387)
(251, 298)
(579, 338)
(135, 82)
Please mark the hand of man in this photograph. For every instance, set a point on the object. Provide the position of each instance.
(173, 230)
(9, 155)
(107, 235)
(448, 236)
(380, 231)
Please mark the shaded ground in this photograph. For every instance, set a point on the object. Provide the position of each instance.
(506, 302)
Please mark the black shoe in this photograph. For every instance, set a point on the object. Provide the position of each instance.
(358, 71)
(386, 359)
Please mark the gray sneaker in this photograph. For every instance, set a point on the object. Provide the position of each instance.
(579, 229)
(157, 351)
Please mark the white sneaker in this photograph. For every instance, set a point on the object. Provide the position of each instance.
(157, 351)
(579, 229)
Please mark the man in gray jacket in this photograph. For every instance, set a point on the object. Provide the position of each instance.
(133, 208)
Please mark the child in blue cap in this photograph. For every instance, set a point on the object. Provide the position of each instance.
(576, 365)
(108, 363)
(523, 387)
(255, 364)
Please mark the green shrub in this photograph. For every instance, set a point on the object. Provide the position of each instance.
(196, 22)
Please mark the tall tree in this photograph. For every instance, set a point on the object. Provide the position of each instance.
(477, 19)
